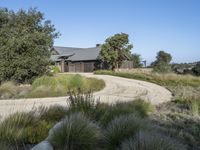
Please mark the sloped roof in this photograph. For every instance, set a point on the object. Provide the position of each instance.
(76, 54)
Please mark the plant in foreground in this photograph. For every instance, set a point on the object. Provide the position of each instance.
(121, 128)
(75, 132)
(151, 141)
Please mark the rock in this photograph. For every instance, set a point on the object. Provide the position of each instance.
(58, 125)
(44, 145)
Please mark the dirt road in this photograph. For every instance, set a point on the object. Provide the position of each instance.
(117, 89)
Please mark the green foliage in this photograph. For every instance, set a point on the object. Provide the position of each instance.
(75, 132)
(151, 141)
(25, 39)
(162, 63)
(32, 127)
(115, 50)
(55, 69)
(196, 69)
(136, 58)
(138, 107)
(121, 128)
(76, 82)
(53, 113)
(93, 84)
(161, 79)
(51, 86)
(84, 103)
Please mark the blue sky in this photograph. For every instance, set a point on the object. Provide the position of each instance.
(153, 25)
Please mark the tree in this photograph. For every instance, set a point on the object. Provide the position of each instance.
(162, 63)
(25, 40)
(115, 50)
(196, 69)
(136, 58)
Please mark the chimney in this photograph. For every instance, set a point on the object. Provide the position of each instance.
(97, 45)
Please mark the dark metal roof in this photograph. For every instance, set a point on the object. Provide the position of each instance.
(76, 54)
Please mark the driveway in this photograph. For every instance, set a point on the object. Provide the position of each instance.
(116, 89)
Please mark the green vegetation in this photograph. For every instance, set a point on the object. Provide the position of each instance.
(136, 58)
(121, 128)
(51, 86)
(115, 50)
(151, 141)
(179, 118)
(75, 132)
(81, 125)
(162, 63)
(31, 127)
(25, 40)
(169, 79)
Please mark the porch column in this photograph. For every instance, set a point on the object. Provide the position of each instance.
(62, 65)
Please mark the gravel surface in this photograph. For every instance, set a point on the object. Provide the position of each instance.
(116, 89)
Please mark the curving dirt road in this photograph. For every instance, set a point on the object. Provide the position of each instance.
(117, 89)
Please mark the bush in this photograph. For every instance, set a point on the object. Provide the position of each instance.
(53, 113)
(13, 127)
(93, 84)
(55, 69)
(8, 90)
(76, 82)
(84, 103)
(32, 127)
(151, 141)
(121, 128)
(139, 107)
(6, 146)
(74, 133)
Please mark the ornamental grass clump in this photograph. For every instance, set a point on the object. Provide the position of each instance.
(75, 132)
(121, 128)
(149, 140)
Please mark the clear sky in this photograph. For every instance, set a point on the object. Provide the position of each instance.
(153, 25)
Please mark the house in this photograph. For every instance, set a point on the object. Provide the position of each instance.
(70, 59)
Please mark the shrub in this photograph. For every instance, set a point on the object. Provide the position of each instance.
(13, 127)
(151, 141)
(75, 132)
(27, 127)
(47, 91)
(53, 113)
(55, 69)
(84, 103)
(76, 82)
(138, 107)
(8, 90)
(93, 84)
(121, 128)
